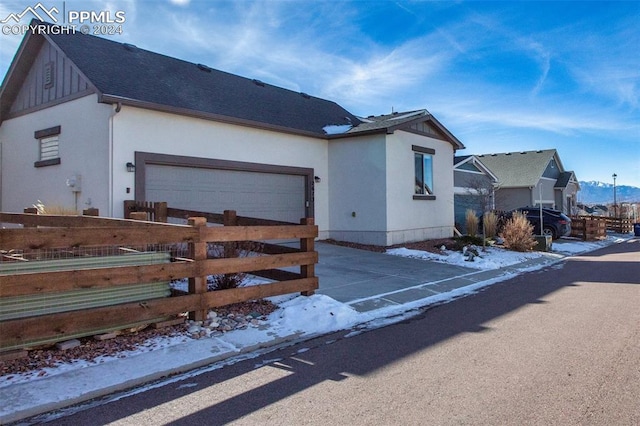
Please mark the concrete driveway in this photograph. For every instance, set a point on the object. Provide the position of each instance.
(350, 275)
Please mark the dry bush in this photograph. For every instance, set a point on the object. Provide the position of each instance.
(471, 221)
(517, 233)
(57, 210)
(490, 225)
(231, 250)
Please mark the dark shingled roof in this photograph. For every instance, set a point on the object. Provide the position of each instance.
(124, 71)
(460, 158)
(563, 180)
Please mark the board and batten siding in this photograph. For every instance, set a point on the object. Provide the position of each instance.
(52, 78)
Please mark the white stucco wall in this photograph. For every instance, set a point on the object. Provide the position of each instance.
(415, 220)
(357, 195)
(83, 150)
(373, 176)
(136, 129)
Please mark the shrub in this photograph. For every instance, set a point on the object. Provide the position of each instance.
(57, 210)
(231, 250)
(459, 243)
(471, 220)
(490, 225)
(517, 233)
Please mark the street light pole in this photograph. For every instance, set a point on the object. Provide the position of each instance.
(615, 201)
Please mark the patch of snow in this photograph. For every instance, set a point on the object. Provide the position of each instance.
(492, 258)
(336, 129)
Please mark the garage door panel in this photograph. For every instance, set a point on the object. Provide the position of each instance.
(255, 194)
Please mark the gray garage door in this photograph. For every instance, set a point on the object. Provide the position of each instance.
(255, 194)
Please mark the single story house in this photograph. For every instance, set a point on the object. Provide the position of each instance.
(530, 178)
(90, 122)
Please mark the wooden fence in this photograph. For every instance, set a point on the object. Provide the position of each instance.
(619, 225)
(51, 232)
(596, 226)
(588, 228)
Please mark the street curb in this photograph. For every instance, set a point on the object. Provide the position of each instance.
(22, 391)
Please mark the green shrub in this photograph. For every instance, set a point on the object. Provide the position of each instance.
(517, 233)
(465, 240)
(471, 220)
(490, 225)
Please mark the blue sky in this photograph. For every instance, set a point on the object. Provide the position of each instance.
(501, 76)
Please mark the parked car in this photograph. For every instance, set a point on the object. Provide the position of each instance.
(554, 222)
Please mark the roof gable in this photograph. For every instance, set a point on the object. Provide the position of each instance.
(519, 169)
(473, 164)
(420, 121)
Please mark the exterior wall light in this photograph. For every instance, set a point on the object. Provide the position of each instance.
(131, 167)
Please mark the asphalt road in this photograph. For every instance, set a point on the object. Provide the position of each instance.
(559, 346)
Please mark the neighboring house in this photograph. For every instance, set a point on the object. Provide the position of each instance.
(597, 210)
(89, 122)
(532, 177)
(474, 188)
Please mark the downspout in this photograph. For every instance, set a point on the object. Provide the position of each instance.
(0, 175)
(116, 109)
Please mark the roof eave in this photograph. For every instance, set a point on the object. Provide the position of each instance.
(426, 116)
(115, 99)
(12, 76)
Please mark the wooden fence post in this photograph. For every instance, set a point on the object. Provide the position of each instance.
(138, 215)
(129, 206)
(160, 212)
(307, 245)
(30, 210)
(92, 211)
(198, 252)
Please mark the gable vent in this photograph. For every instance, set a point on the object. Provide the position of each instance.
(203, 67)
(130, 47)
(304, 95)
(258, 82)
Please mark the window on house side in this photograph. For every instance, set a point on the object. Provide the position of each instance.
(423, 173)
(49, 148)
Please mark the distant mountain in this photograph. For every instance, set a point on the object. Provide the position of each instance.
(594, 192)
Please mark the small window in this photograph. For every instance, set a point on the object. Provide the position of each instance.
(49, 148)
(424, 174)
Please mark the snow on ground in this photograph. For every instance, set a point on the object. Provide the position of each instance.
(307, 316)
(576, 246)
(492, 258)
(498, 257)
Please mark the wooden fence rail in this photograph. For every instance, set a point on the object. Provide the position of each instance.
(50, 232)
(614, 224)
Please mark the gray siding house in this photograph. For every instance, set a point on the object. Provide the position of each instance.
(510, 180)
(474, 188)
(530, 178)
